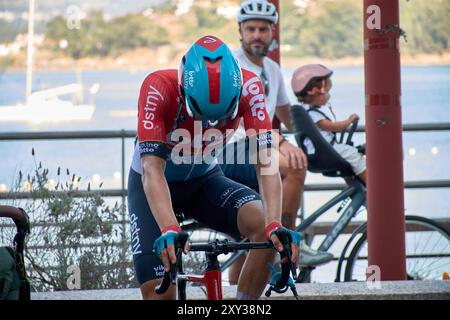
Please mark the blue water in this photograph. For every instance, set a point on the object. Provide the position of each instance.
(425, 98)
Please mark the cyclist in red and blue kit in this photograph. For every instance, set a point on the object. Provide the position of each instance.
(182, 115)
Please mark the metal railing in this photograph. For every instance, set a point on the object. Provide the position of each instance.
(129, 134)
(320, 228)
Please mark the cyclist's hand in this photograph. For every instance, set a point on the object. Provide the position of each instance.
(164, 246)
(295, 236)
(295, 156)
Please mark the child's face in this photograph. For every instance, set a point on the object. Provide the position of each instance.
(320, 93)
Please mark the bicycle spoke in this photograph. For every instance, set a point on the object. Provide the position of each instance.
(414, 246)
(427, 252)
(432, 262)
(428, 263)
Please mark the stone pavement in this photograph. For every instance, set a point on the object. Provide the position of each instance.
(390, 290)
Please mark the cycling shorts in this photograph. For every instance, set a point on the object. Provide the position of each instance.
(212, 199)
(239, 167)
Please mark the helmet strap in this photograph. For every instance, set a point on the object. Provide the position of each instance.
(188, 109)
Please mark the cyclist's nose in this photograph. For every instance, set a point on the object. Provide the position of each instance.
(256, 35)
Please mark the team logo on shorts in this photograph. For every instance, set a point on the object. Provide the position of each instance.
(226, 193)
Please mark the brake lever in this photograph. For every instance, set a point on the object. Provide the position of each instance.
(284, 281)
(286, 240)
(171, 276)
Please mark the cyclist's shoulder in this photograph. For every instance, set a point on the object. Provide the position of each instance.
(162, 77)
(160, 85)
(272, 68)
(268, 62)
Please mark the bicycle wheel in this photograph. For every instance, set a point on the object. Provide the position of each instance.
(427, 247)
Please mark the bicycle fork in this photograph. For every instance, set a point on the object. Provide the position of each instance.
(211, 279)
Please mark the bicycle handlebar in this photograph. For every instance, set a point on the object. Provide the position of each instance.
(352, 130)
(224, 247)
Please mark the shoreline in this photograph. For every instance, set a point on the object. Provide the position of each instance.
(148, 60)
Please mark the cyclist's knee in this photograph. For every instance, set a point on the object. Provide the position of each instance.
(251, 221)
(148, 291)
(297, 175)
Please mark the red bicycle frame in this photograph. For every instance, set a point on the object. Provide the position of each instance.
(212, 280)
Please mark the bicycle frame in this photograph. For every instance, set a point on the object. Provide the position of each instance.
(357, 193)
(211, 279)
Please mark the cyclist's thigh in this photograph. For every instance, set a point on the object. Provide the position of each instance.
(144, 231)
(218, 203)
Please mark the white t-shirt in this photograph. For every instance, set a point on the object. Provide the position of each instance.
(316, 117)
(277, 92)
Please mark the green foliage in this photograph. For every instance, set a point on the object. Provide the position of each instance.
(426, 24)
(98, 37)
(73, 231)
(205, 21)
(324, 28)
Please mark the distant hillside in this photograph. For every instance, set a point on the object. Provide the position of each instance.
(325, 29)
(46, 10)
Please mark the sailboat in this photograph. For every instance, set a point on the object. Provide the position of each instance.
(45, 105)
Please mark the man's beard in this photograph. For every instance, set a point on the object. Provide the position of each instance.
(256, 52)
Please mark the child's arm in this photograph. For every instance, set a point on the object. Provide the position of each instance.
(336, 126)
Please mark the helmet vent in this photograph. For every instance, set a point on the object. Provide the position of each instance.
(194, 105)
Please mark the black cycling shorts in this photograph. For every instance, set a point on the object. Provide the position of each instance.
(240, 171)
(212, 200)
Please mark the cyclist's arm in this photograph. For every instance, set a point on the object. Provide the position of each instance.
(153, 105)
(157, 191)
(258, 127)
(270, 189)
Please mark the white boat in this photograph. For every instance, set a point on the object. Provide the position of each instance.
(45, 105)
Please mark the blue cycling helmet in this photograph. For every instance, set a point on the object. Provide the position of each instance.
(210, 81)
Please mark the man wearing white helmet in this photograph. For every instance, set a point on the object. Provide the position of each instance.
(257, 19)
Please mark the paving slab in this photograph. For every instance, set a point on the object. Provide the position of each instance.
(388, 290)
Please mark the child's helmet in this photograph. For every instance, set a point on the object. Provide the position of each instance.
(305, 76)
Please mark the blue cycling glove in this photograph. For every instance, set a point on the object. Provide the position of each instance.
(166, 239)
(276, 275)
(274, 226)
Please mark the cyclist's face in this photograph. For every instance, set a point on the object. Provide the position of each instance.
(256, 36)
